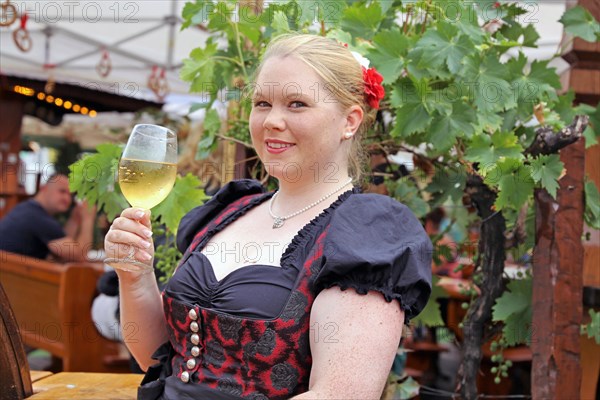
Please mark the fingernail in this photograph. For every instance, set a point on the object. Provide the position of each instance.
(139, 214)
(147, 233)
(145, 255)
(145, 244)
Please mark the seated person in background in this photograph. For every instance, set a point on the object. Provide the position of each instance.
(31, 229)
(446, 248)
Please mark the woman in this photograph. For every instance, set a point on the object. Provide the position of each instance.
(301, 293)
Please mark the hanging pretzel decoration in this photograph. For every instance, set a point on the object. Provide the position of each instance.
(50, 83)
(8, 13)
(104, 66)
(157, 82)
(152, 79)
(21, 35)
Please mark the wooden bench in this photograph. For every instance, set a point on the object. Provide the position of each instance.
(52, 304)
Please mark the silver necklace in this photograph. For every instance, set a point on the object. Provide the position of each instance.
(279, 221)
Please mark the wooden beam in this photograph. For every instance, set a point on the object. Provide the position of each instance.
(557, 268)
(11, 111)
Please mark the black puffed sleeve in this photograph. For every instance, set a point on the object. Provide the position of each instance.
(376, 243)
(196, 219)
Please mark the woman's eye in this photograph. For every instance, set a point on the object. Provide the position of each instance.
(261, 103)
(297, 104)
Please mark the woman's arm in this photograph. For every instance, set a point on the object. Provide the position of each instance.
(353, 339)
(143, 324)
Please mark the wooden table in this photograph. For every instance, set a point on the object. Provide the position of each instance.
(87, 386)
(39, 375)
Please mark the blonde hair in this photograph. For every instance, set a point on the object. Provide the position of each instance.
(342, 75)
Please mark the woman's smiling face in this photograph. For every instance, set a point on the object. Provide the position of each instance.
(297, 126)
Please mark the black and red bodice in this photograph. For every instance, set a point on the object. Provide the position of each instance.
(247, 335)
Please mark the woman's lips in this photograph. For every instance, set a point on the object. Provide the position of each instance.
(276, 147)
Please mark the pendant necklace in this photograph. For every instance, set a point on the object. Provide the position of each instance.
(279, 221)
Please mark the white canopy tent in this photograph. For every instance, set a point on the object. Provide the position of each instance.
(70, 38)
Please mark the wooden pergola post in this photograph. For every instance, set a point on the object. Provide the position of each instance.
(565, 364)
(11, 111)
(584, 79)
(558, 272)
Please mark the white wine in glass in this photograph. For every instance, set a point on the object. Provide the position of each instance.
(146, 183)
(147, 172)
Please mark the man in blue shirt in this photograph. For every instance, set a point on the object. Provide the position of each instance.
(31, 229)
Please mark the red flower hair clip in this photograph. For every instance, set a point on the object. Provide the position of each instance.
(374, 91)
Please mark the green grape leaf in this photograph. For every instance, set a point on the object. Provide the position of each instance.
(431, 314)
(464, 16)
(592, 330)
(250, 26)
(407, 193)
(186, 195)
(592, 205)
(362, 20)
(447, 183)
(530, 36)
(328, 11)
(486, 78)
(564, 106)
(205, 147)
(514, 32)
(417, 70)
(410, 118)
(502, 44)
(514, 183)
(415, 101)
(595, 119)
(509, 120)
(444, 46)
(340, 35)
(94, 178)
(280, 23)
(590, 137)
(446, 128)
(195, 13)
(220, 18)
(546, 169)
(488, 122)
(212, 122)
(592, 131)
(389, 52)
(581, 23)
(199, 68)
(491, 9)
(540, 82)
(487, 150)
(544, 76)
(514, 309)
(212, 126)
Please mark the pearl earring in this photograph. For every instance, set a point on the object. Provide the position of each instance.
(348, 135)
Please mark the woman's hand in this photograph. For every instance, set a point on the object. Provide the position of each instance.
(140, 299)
(130, 235)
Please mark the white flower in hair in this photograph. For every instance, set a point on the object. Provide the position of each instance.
(361, 60)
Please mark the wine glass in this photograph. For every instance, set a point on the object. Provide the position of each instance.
(147, 172)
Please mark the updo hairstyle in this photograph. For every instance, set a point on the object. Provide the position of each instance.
(342, 75)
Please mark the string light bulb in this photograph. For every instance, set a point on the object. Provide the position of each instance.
(66, 104)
